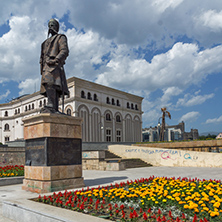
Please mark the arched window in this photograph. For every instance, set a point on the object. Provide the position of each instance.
(33, 106)
(118, 119)
(40, 103)
(108, 117)
(89, 96)
(113, 101)
(6, 128)
(15, 111)
(26, 108)
(107, 100)
(69, 112)
(95, 98)
(83, 94)
(6, 113)
(128, 106)
(132, 107)
(29, 107)
(136, 107)
(117, 102)
(18, 110)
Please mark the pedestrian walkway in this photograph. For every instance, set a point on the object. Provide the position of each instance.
(16, 195)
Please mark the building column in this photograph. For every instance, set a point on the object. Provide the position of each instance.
(114, 130)
(90, 127)
(124, 131)
(102, 129)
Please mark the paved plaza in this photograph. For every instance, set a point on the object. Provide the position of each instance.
(15, 194)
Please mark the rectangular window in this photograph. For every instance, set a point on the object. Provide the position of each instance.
(6, 138)
(108, 135)
(118, 135)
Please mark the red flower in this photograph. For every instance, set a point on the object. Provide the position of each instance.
(123, 214)
(195, 218)
(183, 216)
(135, 214)
(163, 218)
(158, 219)
(122, 207)
(159, 211)
(149, 211)
(145, 216)
(131, 215)
(170, 214)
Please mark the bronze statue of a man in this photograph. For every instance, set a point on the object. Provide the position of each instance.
(54, 51)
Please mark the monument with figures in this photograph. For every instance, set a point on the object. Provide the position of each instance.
(53, 140)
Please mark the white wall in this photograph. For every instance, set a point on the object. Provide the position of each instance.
(168, 157)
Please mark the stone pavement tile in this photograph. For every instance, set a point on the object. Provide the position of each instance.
(4, 219)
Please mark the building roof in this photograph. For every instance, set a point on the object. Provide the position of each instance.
(69, 81)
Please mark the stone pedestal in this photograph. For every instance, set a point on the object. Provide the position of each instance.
(53, 153)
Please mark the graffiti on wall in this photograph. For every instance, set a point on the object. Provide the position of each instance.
(164, 153)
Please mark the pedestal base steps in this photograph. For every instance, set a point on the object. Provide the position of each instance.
(51, 186)
(42, 179)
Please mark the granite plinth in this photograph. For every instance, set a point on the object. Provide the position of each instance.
(52, 125)
(50, 151)
(39, 186)
(53, 153)
(48, 173)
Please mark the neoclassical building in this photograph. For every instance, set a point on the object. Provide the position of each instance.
(109, 115)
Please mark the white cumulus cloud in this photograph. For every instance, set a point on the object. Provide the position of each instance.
(190, 116)
(29, 86)
(215, 120)
(191, 100)
(5, 95)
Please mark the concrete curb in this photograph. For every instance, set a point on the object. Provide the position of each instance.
(11, 181)
(37, 212)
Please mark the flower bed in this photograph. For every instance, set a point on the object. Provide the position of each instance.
(153, 199)
(11, 171)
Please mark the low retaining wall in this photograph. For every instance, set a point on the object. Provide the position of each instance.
(12, 156)
(200, 145)
(168, 157)
(91, 160)
(95, 160)
(11, 180)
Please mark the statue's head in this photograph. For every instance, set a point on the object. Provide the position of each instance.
(53, 26)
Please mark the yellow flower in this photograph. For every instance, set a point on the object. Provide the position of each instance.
(216, 204)
(206, 208)
(213, 214)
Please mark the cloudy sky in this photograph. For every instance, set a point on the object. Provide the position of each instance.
(169, 52)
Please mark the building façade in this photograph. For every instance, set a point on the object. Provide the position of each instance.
(109, 115)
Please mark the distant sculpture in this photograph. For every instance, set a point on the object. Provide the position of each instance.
(165, 112)
(54, 51)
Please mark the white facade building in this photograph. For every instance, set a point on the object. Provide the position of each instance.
(109, 115)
